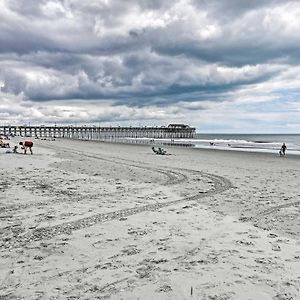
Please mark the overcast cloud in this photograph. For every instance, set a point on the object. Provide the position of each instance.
(227, 66)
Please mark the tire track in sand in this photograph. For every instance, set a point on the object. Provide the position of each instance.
(277, 208)
(219, 185)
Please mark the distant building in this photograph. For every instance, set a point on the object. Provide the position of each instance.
(178, 126)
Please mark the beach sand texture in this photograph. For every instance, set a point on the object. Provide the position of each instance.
(91, 220)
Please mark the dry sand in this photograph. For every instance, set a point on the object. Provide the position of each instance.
(91, 220)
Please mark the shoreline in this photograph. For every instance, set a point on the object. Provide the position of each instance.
(188, 148)
(183, 144)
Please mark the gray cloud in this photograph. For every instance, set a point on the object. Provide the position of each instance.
(145, 53)
(231, 9)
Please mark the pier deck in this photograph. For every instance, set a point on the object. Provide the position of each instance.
(171, 131)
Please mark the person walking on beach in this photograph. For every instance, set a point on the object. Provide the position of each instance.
(283, 149)
(26, 145)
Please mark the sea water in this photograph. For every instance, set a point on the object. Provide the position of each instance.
(269, 143)
(249, 142)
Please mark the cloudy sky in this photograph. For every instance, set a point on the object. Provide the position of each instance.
(218, 65)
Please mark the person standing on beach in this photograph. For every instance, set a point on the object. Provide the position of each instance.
(283, 148)
(26, 145)
(15, 149)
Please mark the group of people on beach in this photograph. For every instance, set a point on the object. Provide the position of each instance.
(26, 145)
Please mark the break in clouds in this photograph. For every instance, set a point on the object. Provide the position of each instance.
(205, 62)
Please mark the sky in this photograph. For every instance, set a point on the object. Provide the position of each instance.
(221, 66)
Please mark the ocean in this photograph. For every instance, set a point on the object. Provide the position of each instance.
(269, 143)
(249, 142)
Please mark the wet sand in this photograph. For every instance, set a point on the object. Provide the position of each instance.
(90, 220)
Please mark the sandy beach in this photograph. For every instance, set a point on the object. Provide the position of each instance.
(93, 220)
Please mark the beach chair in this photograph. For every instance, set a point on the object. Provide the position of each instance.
(160, 151)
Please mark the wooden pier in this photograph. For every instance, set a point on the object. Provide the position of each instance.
(172, 131)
